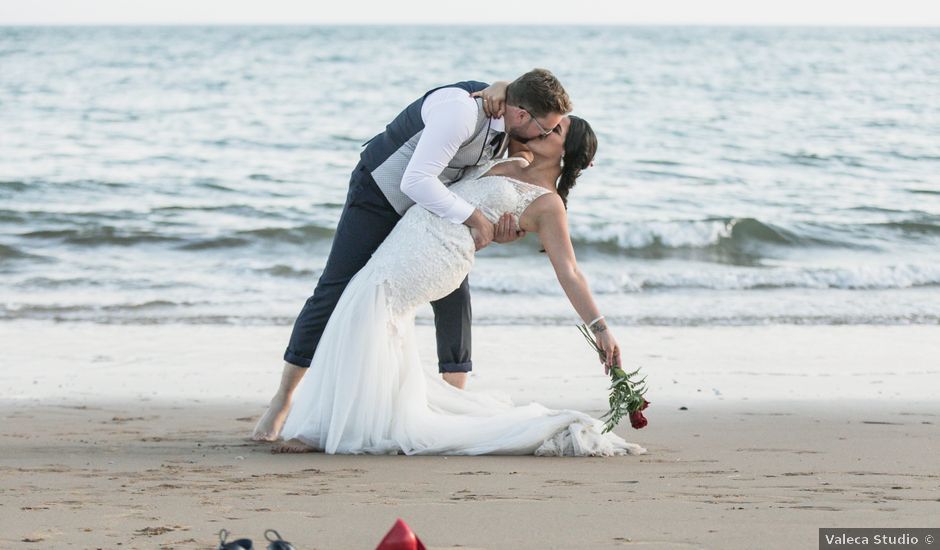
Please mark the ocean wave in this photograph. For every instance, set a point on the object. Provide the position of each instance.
(731, 234)
(220, 242)
(659, 162)
(13, 185)
(715, 320)
(287, 271)
(747, 237)
(101, 235)
(160, 314)
(857, 278)
(53, 283)
(908, 156)
(265, 177)
(808, 158)
(736, 241)
(925, 227)
(151, 304)
(256, 144)
(21, 310)
(299, 234)
(66, 217)
(244, 210)
(10, 253)
(216, 186)
(673, 175)
(69, 221)
(118, 281)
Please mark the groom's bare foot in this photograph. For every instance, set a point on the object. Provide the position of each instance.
(293, 446)
(271, 422)
(269, 427)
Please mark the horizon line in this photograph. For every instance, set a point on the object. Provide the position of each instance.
(473, 24)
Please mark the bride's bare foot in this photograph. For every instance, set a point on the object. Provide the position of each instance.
(271, 422)
(293, 446)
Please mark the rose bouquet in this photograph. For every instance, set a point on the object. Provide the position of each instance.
(626, 393)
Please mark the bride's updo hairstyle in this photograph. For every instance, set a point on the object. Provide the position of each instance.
(580, 147)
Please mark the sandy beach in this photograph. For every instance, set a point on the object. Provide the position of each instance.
(135, 437)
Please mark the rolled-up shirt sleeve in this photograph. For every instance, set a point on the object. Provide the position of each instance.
(450, 117)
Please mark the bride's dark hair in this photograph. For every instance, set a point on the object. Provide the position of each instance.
(580, 147)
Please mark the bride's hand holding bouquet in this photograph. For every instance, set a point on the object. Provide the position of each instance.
(609, 352)
(626, 393)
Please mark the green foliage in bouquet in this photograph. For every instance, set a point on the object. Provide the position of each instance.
(626, 394)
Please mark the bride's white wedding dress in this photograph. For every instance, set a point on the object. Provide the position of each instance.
(366, 391)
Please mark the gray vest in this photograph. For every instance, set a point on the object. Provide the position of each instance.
(387, 155)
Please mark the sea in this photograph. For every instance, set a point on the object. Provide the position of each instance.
(745, 175)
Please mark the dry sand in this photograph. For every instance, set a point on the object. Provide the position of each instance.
(134, 437)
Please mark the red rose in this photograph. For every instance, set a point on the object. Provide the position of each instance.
(637, 420)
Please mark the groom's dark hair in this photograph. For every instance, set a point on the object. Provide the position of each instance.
(539, 92)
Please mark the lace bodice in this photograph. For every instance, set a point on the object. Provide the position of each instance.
(496, 195)
(426, 257)
(476, 189)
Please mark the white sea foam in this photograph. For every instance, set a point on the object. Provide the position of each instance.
(604, 280)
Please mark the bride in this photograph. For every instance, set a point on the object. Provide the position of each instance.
(366, 391)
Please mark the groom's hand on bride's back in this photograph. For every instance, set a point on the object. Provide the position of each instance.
(481, 229)
(507, 230)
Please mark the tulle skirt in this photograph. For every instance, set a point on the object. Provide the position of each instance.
(367, 392)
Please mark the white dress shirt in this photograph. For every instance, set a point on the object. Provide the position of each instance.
(450, 118)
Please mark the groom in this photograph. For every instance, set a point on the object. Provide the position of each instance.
(424, 150)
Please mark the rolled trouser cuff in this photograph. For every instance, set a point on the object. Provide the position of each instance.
(455, 367)
(297, 360)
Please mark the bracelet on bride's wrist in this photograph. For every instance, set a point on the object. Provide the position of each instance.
(595, 321)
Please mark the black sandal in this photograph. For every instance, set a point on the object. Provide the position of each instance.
(279, 544)
(240, 544)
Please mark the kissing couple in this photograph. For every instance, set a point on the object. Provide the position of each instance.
(428, 192)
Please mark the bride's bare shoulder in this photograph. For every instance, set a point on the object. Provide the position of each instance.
(550, 203)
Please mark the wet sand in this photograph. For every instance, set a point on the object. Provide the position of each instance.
(121, 444)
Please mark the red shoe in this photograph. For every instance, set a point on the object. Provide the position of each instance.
(400, 537)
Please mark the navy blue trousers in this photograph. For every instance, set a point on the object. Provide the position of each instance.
(365, 222)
